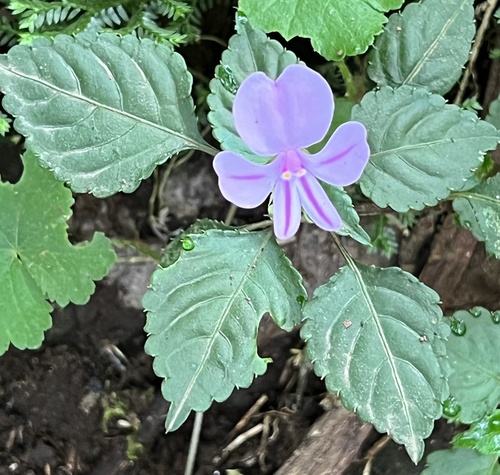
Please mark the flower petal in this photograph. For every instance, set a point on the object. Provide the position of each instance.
(317, 205)
(295, 111)
(343, 158)
(242, 182)
(287, 210)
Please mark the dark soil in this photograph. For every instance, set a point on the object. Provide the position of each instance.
(87, 402)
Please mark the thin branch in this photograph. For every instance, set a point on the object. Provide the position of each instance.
(193, 445)
(475, 50)
(373, 452)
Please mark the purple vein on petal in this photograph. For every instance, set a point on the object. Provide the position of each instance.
(288, 205)
(247, 177)
(312, 199)
(339, 156)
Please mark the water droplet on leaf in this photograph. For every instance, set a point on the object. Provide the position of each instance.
(494, 422)
(301, 300)
(467, 224)
(495, 316)
(225, 75)
(458, 327)
(242, 18)
(475, 312)
(187, 243)
(450, 407)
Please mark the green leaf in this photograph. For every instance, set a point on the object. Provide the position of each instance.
(37, 262)
(475, 380)
(484, 436)
(350, 219)
(461, 462)
(336, 28)
(377, 337)
(426, 46)
(421, 147)
(343, 110)
(101, 111)
(4, 124)
(249, 51)
(494, 113)
(479, 210)
(204, 312)
(174, 248)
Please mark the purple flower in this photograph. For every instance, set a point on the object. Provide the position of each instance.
(281, 118)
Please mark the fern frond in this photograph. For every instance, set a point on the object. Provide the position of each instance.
(4, 124)
(8, 34)
(35, 14)
(113, 16)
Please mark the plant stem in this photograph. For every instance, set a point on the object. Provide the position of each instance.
(490, 8)
(193, 445)
(345, 253)
(351, 90)
(230, 215)
(259, 225)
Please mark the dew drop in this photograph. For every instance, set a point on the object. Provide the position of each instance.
(494, 422)
(495, 316)
(475, 312)
(225, 75)
(187, 244)
(458, 327)
(301, 300)
(467, 224)
(242, 18)
(450, 407)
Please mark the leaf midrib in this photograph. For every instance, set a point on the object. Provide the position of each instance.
(225, 314)
(383, 340)
(420, 64)
(195, 144)
(475, 365)
(476, 197)
(403, 148)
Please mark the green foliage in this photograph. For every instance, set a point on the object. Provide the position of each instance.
(377, 337)
(479, 210)
(350, 219)
(37, 262)
(4, 124)
(204, 312)
(100, 110)
(461, 462)
(426, 46)
(336, 28)
(249, 51)
(484, 435)
(171, 21)
(494, 113)
(473, 356)
(383, 237)
(174, 249)
(421, 147)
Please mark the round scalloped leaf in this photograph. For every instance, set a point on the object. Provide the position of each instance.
(475, 380)
(377, 337)
(249, 51)
(204, 341)
(461, 462)
(425, 46)
(36, 259)
(479, 210)
(421, 147)
(336, 28)
(102, 111)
